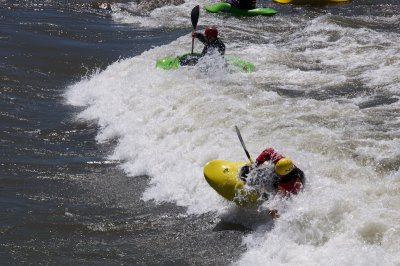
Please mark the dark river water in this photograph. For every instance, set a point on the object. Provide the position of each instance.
(55, 202)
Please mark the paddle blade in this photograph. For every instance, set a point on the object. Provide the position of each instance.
(195, 16)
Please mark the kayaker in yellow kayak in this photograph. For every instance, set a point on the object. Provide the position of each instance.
(291, 178)
(286, 180)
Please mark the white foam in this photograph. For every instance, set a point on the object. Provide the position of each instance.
(170, 123)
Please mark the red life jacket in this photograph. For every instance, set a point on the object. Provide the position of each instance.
(293, 186)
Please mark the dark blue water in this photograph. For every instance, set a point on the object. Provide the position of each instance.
(56, 203)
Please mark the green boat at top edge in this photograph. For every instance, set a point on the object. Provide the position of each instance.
(228, 8)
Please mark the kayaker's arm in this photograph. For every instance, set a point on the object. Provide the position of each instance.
(267, 155)
(199, 36)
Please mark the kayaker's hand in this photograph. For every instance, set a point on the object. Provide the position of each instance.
(274, 213)
(253, 166)
(194, 34)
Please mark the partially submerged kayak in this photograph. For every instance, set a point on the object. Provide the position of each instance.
(310, 2)
(228, 8)
(175, 62)
(224, 177)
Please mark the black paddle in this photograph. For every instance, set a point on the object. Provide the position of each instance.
(242, 142)
(195, 18)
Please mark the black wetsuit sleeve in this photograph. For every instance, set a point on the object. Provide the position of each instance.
(201, 38)
(221, 47)
(302, 177)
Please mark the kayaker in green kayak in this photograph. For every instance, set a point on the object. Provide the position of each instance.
(243, 4)
(211, 43)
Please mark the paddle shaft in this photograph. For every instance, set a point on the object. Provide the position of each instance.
(242, 142)
(195, 18)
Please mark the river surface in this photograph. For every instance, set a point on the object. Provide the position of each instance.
(102, 154)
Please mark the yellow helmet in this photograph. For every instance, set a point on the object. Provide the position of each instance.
(284, 166)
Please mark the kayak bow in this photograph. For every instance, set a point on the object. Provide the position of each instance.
(223, 177)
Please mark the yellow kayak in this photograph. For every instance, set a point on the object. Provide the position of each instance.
(310, 2)
(223, 177)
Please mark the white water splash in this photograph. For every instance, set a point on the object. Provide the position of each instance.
(304, 99)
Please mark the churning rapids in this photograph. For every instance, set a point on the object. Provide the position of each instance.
(325, 92)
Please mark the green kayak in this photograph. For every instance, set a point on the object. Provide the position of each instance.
(175, 62)
(228, 8)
